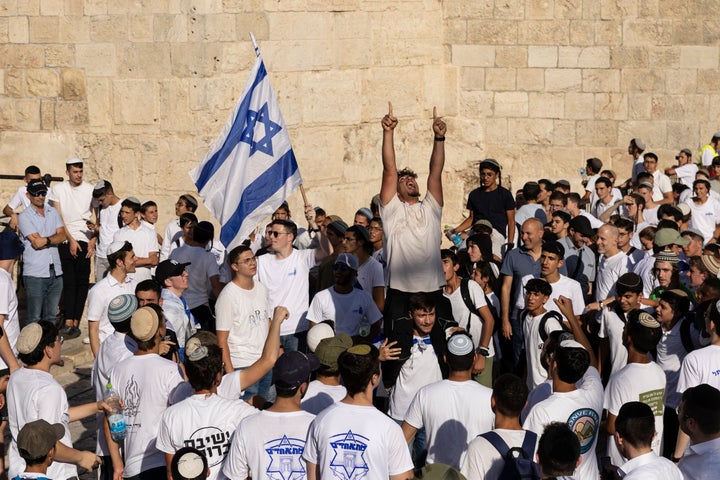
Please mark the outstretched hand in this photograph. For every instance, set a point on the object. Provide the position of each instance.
(439, 127)
(389, 121)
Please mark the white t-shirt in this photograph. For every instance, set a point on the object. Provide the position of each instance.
(700, 366)
(245, 315)
(705, 217)
(670, 355)
(33, 395)
(484, 461)
(661, 185)
(116, 348)
(108, 227)
(370, 274)
(76, 206)
(608, 272)
(99, 298)
(204, 422)
(636, 382)
(269, 445)
(472, 324)
(351, 312)
(144, 242)
(8, 308)
(650, 467)
(172, 228)
(420, 369)
(288, 284)
(686, 174)
(19, 198)
(612, 327)
(411, 238)
(569, 288)
(534, 345)
(319, 396)
(358, 442)
(581, 410)
(144, 383)
(201, 269)
(453, 413)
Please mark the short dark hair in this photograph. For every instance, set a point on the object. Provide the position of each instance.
(703, 181)
(548, 185)
(651, 156)
(203, 232)
(558, 450)
(149, 285)
(644, 339)
(671, 210)
(678, 303)
(572, 363)
(510, 393)
(628, 282)
(604, 181)
(635, 423)
(119, 255)
(134, 206)
(189, 201)
(573, 197)
(531, 190)
(202, 374)
(624, 224)
(236, 252)
(714, 314)
(288, 225)
(357, 368)
(48, 338)
(701, 403)
(186, 218)
(32, 170)
(449, 254)
(421, 301)
(102, 191)
(361, 235)
(555, 248)
(146, 205)
(558, 195)
(538, 285)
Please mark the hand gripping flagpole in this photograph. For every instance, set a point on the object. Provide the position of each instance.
(257, 52)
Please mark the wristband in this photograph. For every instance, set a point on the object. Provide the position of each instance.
(482, 351)
(439, 139)
(47, 243)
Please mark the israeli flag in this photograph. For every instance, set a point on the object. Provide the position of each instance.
(250, 169)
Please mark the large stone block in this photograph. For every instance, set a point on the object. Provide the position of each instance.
(514, 9)
(629, 57)
(608, 32)
(174, 106)
(21, 56)
(134, 102)
(564, 133)
(74, 29)
(99, 104)
(500, 79)
(52, 7)
(4, 30)
(319, 87)
(699, 57)
(516, 57)
(140, 28)
(18, 30)
(47, 114)
(639, 106)
(664, 57)
(510, 104)
(109, 28)
(647, 33)
(563, 79)
(73, 84)
(465, 9)
(530, 131)
(14, 83)
(473, 55)
(476, 104)
(144, 60)
(708, 81)
(582, 32)
(570, 8)
(472, 78)
(543, 57)
(27, 114)
(298, 55)
(455, 31)
(496, 130)
(7, 114)
(539, 9)
(652, 133)
(44, 29)
(610, 9)
(59, 55)
(2, 81)
(97, 59)
(492, 32)
(530, 79)
(642, 80)
(212, 28)
(70, 115)
(678, 134)
(687, 32)
(27, 7)
(96, 7)
(611, 106)
(170, 28)
(668, 107)
(682, 81)
(302, 25)
(257, 23)
(42, 83)
(579, 105)
(353, 54)
(600, 80)
(596, 133)
(544, 32)
(547, 105)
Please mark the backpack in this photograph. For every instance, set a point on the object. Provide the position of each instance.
(550, 314)
(465, 294)
(685, 335)
(518, 461)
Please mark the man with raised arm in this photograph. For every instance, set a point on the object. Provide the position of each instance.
(411, 226)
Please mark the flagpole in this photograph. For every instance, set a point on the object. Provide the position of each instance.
(255, 45)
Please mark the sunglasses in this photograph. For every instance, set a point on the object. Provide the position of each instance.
(341, 266)
(277, 234)
(38, 194)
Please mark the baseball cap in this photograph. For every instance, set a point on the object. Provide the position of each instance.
(294, 368)
(37, 187)
(189, 464)
(10, 245)
(582, 225)
(144, 323)
(348, 259)
(36, 438)
(669, 236)
(317, 334)
(167, 269)
(329, 349)
(121, 308)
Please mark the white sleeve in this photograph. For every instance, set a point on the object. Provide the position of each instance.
(536, 420)
(399, 460)
(315, 311)
(236, 464)
(476, 295)
(688, 374)
(17, 199)
(376, 277)
(95, 306)
(414, 416)
(223, 311)
(613, 398)
(164, 436)
(472, 466)
(374, 314)
(310, 452)
(577, 298)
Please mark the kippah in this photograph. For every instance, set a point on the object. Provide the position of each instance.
(667, 256)
(571, 344)
(121, 308)
(198, 353)
(460, 344)
(133, 200)
(99, 185)
(630, 280)
(191, 345)
(647, 320)
(361, 349)
(29, 338)
(190, 465)
(678, 292)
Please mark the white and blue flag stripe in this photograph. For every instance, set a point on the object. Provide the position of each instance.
(250, 169)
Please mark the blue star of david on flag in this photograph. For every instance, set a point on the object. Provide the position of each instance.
(250, 169)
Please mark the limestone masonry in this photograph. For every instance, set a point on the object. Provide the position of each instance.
(140, 88)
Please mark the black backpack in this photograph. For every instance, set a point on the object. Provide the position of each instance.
(550, 314)
(465, 294)
(518, 460)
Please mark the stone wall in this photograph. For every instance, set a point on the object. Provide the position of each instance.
(140, 88)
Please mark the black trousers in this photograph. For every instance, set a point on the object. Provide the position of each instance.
(76, 280)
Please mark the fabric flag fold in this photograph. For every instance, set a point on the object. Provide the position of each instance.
(250, 169)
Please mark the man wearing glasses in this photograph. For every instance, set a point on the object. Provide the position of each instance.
(285, 273)
(242, 317)
(41, 230)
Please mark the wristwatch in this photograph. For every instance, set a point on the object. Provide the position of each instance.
(482, 351)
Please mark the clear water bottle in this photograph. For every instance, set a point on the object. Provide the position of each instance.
(454, 237)
(116, 419)
(364, 327)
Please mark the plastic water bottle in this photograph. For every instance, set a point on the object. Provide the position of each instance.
(364, 327)
(116, 419)
(454, 237)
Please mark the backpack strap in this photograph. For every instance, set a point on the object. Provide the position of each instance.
(465, 294)
(543, 321)
(685, 336)
(529, 443)
(497, 442)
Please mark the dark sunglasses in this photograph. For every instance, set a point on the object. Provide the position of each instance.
(341, 266)
(277, 234)
(38, 194)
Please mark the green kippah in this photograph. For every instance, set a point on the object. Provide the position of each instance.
(361, 349)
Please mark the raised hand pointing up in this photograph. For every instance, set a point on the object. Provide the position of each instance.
(389, 121)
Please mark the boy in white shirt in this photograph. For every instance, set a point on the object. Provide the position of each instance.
(537, 324)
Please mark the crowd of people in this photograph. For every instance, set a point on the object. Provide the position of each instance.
(563, 335)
